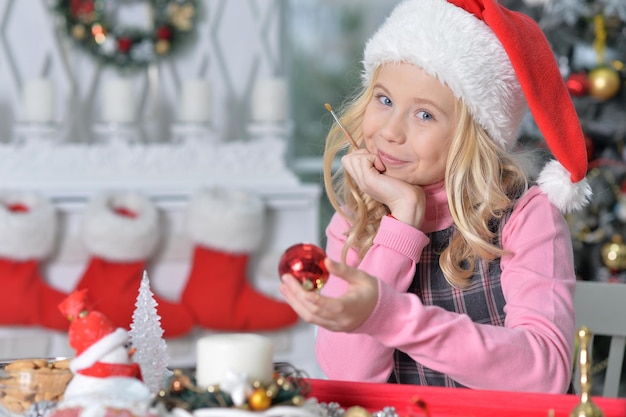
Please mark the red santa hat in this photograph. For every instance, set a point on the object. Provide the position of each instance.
(499, 63)
(91, 334)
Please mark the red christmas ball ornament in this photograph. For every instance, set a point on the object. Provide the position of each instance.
(305, 262)
(578, 84)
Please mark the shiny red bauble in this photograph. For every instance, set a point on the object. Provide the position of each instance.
(578, 84)
(305, 261)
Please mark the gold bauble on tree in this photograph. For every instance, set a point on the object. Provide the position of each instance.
(604, 82)
(614, 254)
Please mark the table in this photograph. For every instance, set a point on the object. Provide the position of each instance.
(450, 402)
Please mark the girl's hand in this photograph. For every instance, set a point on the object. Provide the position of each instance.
(342, 314)
(405, 201)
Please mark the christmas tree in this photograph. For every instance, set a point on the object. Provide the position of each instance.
(588, 38)
(147, 337)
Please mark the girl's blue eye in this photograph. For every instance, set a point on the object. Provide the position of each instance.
(424, 115)
(384, 100)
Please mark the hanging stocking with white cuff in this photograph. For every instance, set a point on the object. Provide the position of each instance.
(226, 227)
(121, 232)
(28, 230)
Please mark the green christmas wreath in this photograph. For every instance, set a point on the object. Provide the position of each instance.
(89, 24)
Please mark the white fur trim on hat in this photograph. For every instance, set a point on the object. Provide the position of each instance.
(115, 237)
(96, 351)
(229, 220)
(554, 180)
(459, 50)
(30, 234)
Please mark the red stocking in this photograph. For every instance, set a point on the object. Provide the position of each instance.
(27, 235)
(121, 231)
(226, 227)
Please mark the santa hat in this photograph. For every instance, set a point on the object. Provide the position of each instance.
(497, 62)
(91, 334)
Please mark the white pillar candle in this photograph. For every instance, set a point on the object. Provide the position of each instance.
(269, 100)
(241, 353)
(195, 101)
(119, 101)
(38, 101)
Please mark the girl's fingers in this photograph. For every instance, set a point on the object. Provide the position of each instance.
(379, 165)
(311, 306)
(303, 302)
(340, 269)
(293, 291)
(337, 314)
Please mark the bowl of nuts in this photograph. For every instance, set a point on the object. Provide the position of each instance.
(25, 383)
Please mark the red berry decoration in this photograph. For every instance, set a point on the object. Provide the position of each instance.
(164, 32)
(124, 44)
(305, 262)
(81, 8)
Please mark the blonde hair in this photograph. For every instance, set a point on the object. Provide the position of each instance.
(482, 182)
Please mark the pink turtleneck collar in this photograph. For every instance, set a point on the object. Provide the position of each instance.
(437, 215)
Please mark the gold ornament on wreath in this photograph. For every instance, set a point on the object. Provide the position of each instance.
(89, 24)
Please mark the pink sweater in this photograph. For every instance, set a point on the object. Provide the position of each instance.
(531, 352)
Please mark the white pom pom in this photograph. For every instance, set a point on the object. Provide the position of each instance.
(555, 182)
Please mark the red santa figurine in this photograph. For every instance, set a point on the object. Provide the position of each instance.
(106, 382)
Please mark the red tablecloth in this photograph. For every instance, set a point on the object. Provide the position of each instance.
(448, 402)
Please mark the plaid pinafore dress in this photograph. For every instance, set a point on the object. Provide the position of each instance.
(482, 300)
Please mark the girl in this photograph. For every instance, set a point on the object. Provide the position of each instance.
(465, 269)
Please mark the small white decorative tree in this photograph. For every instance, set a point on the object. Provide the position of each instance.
(146, 335)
